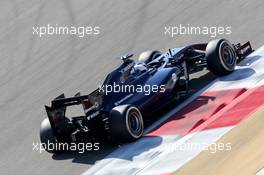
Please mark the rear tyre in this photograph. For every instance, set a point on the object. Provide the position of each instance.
(47, 137)
(148, 56)
(126, 123)
(221, 57)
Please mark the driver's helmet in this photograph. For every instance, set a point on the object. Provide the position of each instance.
(139, 68)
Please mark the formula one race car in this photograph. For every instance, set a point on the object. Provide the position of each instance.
(133, 91)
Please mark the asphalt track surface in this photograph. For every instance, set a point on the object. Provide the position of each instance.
(34, 70)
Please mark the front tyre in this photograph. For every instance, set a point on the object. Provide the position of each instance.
(221, 57)
(126, 123)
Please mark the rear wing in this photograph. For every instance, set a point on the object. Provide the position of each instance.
(56, 112)
(93, 98)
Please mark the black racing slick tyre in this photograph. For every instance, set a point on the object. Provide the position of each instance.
(126, 123)
(221, 57)
(148, 56)
(47, 137)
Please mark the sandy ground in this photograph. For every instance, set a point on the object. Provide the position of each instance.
(245, 158)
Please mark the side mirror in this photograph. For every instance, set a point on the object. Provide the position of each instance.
(126, 57)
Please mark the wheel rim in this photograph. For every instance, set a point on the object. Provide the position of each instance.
(135, 122)
(228, 56)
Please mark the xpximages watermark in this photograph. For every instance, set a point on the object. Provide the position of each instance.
(80, 31)
(129, 88)
(192, 146)
(212, 31)
(80, 147)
